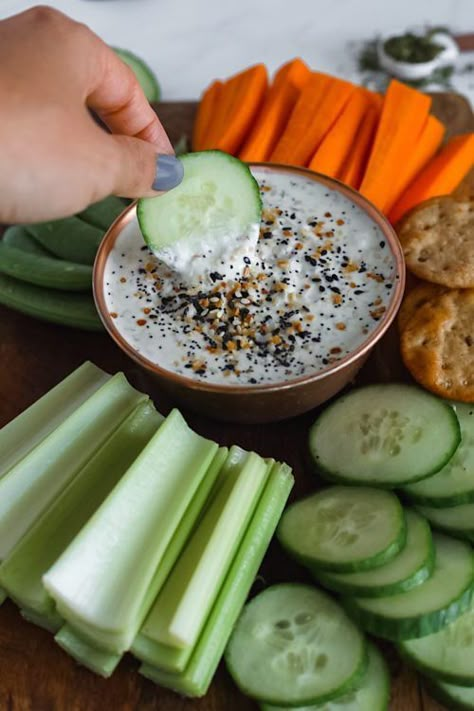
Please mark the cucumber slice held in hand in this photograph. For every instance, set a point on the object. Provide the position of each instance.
(210, 221)
(372, 694)
(430, 606)
(387, 435)
(344, 529)
(410, 567)
(293, 645)
(143, 73)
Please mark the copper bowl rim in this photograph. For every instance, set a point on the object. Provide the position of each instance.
(374, 336)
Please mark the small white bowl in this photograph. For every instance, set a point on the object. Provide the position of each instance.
(417, 70)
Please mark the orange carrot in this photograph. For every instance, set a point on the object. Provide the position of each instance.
(338, 142)
(204, 116)
(440, 176)
(404, 113)
(295, 67)
(353, 169)
(222, 112)
(245, 103)
(319, 105)
(428, 143)
(275, 111)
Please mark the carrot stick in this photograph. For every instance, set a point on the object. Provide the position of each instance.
(353, 169)
(204, 116)
(245, 103)
(222, 112)
(320, 103)
(440, 176)
(404, 113)
(338, 142)
(428, 143)
(296, 68)
(275, 111)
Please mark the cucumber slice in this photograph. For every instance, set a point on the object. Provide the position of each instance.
(455, 698)
(446, 655)
(427, 608)
(344, 529)
(143, 73)
(454, 483)
(372, 694)
(214, 212)
(101, 214)
(67, 309)
(409, 568)
(387, 435)
(17, 236)
(44, 271)
(458, 521)
(294, 646)
(70, 238)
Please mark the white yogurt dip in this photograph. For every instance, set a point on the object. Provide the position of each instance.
(321, 279)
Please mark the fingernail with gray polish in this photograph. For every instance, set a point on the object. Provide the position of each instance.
(169, 172)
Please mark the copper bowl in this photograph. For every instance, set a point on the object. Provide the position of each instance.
(274, 401)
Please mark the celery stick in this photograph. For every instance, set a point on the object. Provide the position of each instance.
(32, 426)
(100, 582)
(196, 678)
(22, 570)
(180, 610)
(51, 622)
(31, 486)
(98, 661)
(186, 525)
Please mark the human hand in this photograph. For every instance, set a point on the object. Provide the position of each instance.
(54, 158)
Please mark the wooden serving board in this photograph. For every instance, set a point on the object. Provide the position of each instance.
(35, 674)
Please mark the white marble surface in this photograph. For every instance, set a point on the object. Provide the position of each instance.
(188, 42)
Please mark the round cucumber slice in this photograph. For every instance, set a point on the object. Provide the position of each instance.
(143, 73)
(446, 655)
(344, 529)
(458, 521)
(294, 646)
(387, 435)
(409, 568)
(213, 216)
(455, 698)
(454, 483)
(427, 608)
(371, 695)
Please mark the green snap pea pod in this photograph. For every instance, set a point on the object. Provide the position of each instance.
(101, 214)
(68, 309)
(44, 271)
(70, 238)
(17, 236)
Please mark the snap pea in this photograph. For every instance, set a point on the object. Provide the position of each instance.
(69, 309)
(44, 271)
(70, 238)
(102, 214)
(17, 236)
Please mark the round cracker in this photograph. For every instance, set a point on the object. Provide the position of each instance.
(438, 241)
(437, 344)
(415, 298)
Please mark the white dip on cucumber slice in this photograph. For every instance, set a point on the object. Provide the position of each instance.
(210, 221)
(320, 282)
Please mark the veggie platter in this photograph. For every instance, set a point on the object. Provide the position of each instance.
(37, 674)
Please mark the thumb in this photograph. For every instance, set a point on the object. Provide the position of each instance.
(139, 171)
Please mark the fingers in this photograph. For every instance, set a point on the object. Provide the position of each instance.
(118, 99)
(136, 169)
